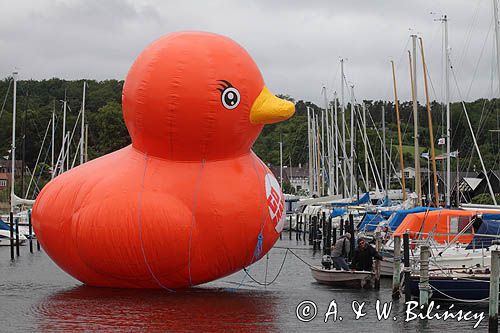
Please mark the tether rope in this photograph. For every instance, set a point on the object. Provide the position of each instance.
(139, 222)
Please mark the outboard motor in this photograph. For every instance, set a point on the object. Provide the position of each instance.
(326, 261)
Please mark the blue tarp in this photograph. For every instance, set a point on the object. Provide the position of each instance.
(400, 215)
(364, 199)
(489, 226)
(386, 203)
(3, 225)
(337, 212)
(371, 220)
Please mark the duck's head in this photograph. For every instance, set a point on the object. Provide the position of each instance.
(195, 95)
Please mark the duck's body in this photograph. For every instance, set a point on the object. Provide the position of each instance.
(149, 217)
(188, 201)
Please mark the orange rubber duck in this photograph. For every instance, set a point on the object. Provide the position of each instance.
(188, 201)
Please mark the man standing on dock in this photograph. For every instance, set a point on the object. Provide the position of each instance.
(340, 252)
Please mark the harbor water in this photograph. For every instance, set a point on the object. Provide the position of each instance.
(37, 296)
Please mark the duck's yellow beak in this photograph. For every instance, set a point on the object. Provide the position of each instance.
(269, 109)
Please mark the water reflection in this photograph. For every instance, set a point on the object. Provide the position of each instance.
(202, 310)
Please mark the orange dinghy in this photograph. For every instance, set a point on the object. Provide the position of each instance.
(188, 202)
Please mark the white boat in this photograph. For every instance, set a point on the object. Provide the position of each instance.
(443, 257)
(5, 235)
(356, 279)
(5, 238)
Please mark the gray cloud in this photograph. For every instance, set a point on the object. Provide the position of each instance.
(296, 43)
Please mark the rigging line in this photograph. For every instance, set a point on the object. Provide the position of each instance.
(468, 35)
(479, 59)
(429, 77)
(475, 71)
(41, 171)
(398, 65)
(5, 99)
(385, 150)
(474, 140)
(480, 128)
(38, 158)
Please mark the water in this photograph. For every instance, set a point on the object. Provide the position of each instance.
(36, 296)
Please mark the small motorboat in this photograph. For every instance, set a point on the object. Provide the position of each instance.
(351, 279)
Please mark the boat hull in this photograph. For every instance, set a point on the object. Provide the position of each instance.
(444, 288)
(350, 279)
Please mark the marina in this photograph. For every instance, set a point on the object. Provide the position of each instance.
(202, 192)
(37, 296)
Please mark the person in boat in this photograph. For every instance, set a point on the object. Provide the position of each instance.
(340, 251)
(362, 259)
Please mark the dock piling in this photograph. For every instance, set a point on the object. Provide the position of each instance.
(378, 246)
(307, 222)
(396, 276)
(493, 302)
(406, 260)
(314, 234)
(30, 228)
(11, 231)
(351, 231)
(424, 286)
(17, 236)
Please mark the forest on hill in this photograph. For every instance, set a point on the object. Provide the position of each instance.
(36, 101)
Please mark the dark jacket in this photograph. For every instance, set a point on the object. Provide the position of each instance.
(362, 259)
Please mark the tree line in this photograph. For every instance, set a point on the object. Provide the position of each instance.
(36, 101)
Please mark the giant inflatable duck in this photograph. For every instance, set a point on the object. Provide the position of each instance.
(188, 202)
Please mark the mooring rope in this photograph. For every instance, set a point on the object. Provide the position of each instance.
(265, 283)
(459, 299)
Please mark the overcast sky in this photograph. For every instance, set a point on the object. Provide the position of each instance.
(297, 44)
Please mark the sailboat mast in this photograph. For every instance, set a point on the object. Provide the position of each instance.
(281, 163)
(400, 141)
(327, 158)
(384, 159)
(63, 145)
(366, 149)
(82, 135)
(342, 110)
(86, 142)
(53, 140)
(448, 117)
(351, 182)
(336, 129)
(413, 79)
(497, 38)
(13, 147)
(309, 141)
(431, 134)
(318, 158)
(322, 160)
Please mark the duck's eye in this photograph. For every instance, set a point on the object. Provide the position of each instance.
(230, 96)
